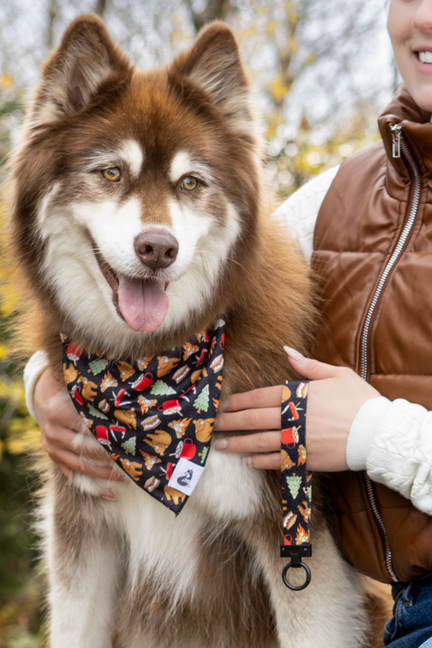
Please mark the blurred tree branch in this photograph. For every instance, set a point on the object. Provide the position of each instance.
(52, 13)
(100, 7)
(215, 10)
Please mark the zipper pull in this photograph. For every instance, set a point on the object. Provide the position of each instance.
(396, 131)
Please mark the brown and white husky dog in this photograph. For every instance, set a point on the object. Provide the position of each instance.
(114, 161)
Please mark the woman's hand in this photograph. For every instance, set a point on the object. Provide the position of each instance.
(335, 396)
(60, 424)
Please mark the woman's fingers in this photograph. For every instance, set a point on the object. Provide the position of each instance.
(85, 459)
(259, 410)
(56, 439)
(80, 464)
(262, 449)
(336, 395)
(53, 404)
(311, 368)
(264, 461)
(62, 437)
(257, 443)
(250, 419)
(257, 398)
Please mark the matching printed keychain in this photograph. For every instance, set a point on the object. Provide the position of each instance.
(296, 481)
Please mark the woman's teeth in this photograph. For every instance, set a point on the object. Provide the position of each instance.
(425, 57)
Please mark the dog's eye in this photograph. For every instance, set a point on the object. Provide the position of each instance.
(113, 174)
(189, 184)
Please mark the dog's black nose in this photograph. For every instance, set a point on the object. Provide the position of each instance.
(156, 249)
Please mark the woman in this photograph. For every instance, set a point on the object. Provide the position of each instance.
(371, 225)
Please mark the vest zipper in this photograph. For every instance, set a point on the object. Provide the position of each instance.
(387, 552)
(396, 131)
(398, 146)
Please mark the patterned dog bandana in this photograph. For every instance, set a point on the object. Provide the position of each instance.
(154, 415)
(296, 481)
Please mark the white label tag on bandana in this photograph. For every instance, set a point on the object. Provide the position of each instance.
(186, 476)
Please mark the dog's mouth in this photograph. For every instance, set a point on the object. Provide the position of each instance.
(142, 303)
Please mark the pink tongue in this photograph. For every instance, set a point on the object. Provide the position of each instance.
(143, 304)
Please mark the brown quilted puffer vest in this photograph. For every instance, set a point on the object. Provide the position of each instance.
(373, 250)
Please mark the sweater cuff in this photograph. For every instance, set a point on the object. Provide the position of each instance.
(363, 430)
(32, 371)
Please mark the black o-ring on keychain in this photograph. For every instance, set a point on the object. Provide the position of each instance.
(296, 482)
(296, 553)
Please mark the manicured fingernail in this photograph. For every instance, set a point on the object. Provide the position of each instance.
(247, 459)
(293, 353)
(221, 444)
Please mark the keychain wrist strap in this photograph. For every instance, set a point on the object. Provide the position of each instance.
(296, 481)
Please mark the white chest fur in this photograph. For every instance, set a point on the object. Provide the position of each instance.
(228, 490)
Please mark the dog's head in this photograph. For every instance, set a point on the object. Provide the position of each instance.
(136, 193)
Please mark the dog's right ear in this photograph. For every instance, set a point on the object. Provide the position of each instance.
(85, 59)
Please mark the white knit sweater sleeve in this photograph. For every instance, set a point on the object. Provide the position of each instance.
(392, 441)
(33, 369)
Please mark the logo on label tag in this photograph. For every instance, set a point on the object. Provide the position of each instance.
(186, 476)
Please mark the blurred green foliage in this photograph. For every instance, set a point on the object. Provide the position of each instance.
(20, 587)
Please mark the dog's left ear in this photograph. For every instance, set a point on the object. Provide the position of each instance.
(85, 60)
(214, 63)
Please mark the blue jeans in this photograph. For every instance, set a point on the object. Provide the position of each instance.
(411, 625)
